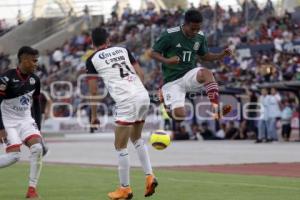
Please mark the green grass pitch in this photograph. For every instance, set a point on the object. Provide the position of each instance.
(70, 182)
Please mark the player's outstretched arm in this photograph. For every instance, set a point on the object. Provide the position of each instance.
(2, 131)
(37, 111)
(49, 103)
(1, 122)
(93, 89)
(139, 71)
(36, 105)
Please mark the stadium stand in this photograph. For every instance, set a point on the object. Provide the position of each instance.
(266, 48)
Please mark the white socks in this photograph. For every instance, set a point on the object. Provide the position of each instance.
(143, 155)
(123, 159)
(36, 151)
(124, 167)
(35, 162)
(10, 158)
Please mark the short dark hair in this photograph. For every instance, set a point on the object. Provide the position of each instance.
(193, 15)
(99, 36)
(27, 50)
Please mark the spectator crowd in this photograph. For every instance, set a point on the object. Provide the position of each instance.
(250, 26)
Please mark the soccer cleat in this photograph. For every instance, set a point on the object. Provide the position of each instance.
(121, 193)
(151, 184)
(218, 113)
(32, 193)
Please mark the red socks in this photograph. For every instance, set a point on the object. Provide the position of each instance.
(212, 92)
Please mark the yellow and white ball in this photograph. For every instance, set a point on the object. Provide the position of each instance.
(160, 139)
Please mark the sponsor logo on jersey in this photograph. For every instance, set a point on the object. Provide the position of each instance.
(20, 109)
(2, 87)
(15, 80)
(178, 45)
(32, 81)
(196, 46)
(104, 54)
(24, 100)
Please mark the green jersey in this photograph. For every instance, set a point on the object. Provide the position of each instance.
(173, 42)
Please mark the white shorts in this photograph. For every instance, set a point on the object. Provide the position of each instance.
(20, 133)
(133, 110)
(174, 92)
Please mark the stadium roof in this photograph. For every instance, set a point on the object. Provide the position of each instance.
(9, 9)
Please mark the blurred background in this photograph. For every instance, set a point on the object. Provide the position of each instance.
(263, 34)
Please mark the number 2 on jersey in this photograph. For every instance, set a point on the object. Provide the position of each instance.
(123, 71)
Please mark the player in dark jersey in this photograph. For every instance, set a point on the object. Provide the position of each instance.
(177, 49)
(19, 91)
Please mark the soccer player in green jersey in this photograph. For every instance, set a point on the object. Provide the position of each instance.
(177, 49)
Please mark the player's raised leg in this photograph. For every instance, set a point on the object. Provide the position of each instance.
(13, 152)
(205, 76)
(122, 134)
(36, 153)
(143, 154)
(11, 156)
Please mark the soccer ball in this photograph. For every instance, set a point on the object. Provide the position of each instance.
(160, 139)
